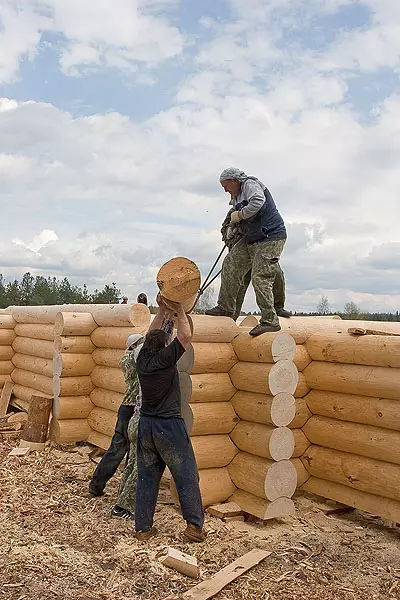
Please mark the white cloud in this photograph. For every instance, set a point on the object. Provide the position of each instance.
(40, 241)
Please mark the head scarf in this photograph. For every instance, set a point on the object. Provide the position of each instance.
(133, 339)
(233, 173)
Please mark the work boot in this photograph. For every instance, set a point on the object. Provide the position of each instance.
(194, 534)
(282, 312)
(143, 536)
(218, 312)
(117, 512)
(93, 493)
(261, 328)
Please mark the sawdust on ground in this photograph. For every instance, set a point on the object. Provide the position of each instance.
(57, 544)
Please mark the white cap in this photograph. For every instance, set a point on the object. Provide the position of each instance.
(133, 339)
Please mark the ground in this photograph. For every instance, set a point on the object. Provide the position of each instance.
(57, 544)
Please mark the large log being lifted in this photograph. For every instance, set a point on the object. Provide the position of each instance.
(179, 281)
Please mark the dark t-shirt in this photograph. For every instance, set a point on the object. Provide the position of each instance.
(159, 381)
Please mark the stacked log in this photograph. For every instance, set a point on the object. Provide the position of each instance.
(7, 336)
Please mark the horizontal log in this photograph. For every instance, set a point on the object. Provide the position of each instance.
(36, 332)
(303, 413)
(215, 486)
(34, 364)
(74, 344)
(74, 323)
(213, 357)
(25, 393)
(108, 357)
(7, 321)
(301, 442)
(213, 451)
(72, 386)
(7, 336)
(283, 377)
(275, 443)
(39, 383)
(254, 377)
(358, 472)
(302, 474)
(211, 387)
(109, 378)
(6, 366)
(259, 349)
(103, 421)
(102, 313)
(213, 417)
(354, 379)
(72, 407)
(261, 508)
(72, 365)
(213, 329)
(3, 379)
(374, 504)
(106, 399)
(6, 353)
(122, 315)
(186, 361)
(32, 347)
(99, 439)
(379, 412)
(263, 477)
(277, 410)
(113, 337)
(249, 322)
(365, 440)
(43, 314)
(67, 431)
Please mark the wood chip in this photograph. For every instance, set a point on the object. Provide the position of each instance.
(229, 509)
(184, 563)
(20, 452)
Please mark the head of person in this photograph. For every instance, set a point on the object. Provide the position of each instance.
(134, 340)
(142, 299)
(155, 340)
(125, 300)
(231, 180)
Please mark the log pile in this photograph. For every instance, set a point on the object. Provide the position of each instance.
(7, 336)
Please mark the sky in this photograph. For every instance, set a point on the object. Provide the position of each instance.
(116, 119)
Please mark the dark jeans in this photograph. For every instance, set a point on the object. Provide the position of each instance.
(118, 448)
(165, 442)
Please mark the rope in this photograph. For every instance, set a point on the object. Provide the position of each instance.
(208, 281)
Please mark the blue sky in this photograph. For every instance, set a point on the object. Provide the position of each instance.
(116, 121)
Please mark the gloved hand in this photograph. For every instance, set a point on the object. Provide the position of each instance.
(229, 233)
(235, 217)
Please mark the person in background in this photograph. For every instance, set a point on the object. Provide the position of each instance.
(163, 439)
(142, 299)
(124, 300)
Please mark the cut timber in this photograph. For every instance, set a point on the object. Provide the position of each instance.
(99, 439)
(72, 407)
(113, 337)
(302, 474)
(261, 508)
(263, 477)
(360, 331)
(72, 365)
(33, 446)
(213, 357)
(7, 336)
(7, 322)
(378, 351)
(19, 452)
(213, 329)
(72, 386)
(301, 442)
(25, 393)
(250, 321)
(6, 353)
(354, 379)
(358, 472)
(283, 347)
(108, 357)
(37, 424)
(67, 431)
(212, 387)
(20, 404)
(5, 396)
(213, 451)
(179, 281)
(215, 486)
(6, 367)
(254, 377)
(277, 410)
(259, 349)
(275, 443)
(228, 509)
(19, 417)
(122, 315)
(77, 344)
(40, 383)
(303, 413)
(376, 505)
(3, 379)
(283, 377)
(213, 417)
(109, 378)
(103, 421)
(32, 347)
(186, 361)
(106, 399)
(74, 323)
(184, 563)
(210, 587)
(36, 332)
(34, 364)
(47, 314)
(379, 412)
(365, 440)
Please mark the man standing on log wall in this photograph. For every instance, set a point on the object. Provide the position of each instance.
(163, 439)
(263, 239)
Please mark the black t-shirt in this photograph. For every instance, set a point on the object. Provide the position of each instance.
(159, 381)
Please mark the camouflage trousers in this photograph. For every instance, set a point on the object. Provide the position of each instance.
(262, 259)
(127, 489)
(278, 291)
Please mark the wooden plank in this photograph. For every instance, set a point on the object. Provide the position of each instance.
(228, 509)
(19, 452)
(184, 563)
(5, 398)
(362, 331)
(233, 519)
(210, 587)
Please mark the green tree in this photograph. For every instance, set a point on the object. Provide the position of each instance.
(351, 310)
(110, 294)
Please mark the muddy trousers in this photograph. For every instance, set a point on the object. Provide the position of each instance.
(161, 443)
(278, 291)
(127, 488)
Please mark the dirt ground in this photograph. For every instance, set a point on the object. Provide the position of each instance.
(57, 544)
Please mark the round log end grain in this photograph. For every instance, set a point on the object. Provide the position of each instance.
(283, 347)
(283, 377)
(179, 279)
(281, 480)
(261, 508)
(281, 443)
(283, 409)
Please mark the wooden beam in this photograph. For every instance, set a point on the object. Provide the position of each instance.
(5, 398)
(362, 331)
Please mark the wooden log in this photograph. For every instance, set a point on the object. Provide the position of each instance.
(99, 439)
(277, 410)
(32, 347)
(211, 387)
(101, 312)
(213, 451)
(215, 486)
(108, 357)
(72, 407)
(275, 443)
(181, 562)
(5, 396)
(67, 431)
(34, 364)
(254, 377)
(213, 329)
(7, 336)
(69, 364)
(302, 474)
(354, 379)
(25, 393)
(7, 321)
(122, 315)
(74, 323)
(250, 321)
(365, 440)
(72, 386)
(283, 377)
(379, 351)
(6, 353)
(109, 378)
(103, 421)
(374, 504)
(179, 281)
(283, 347)
(113, 337)
(263, 477)
(36, 332)
(3, 379)
(261, 508)
(37, 424)
(259, 349)
(358, 472)
(40, 383)
(106, 399)
(76, 344)
(213, 357)
(302, 414)
(213, 417)
(186, 361)
(18, 417)
(301, 442)
(6, 366)
(379, 412)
